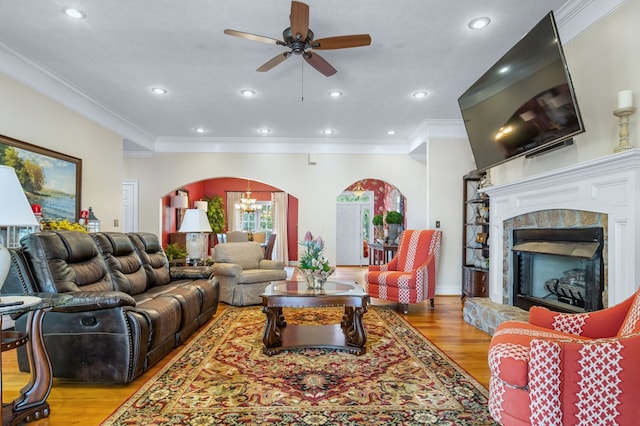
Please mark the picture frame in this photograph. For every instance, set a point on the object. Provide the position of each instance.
(49, 178)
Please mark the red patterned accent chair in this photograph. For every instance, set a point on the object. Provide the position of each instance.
(567, 369)
(410, 276)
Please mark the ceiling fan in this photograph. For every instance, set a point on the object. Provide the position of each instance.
(299, 39)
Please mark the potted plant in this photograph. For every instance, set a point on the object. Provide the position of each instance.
(394, 221)
(215, 213)
(175, 251)
(378, 221)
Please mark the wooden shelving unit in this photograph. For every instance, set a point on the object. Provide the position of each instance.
(475, 237)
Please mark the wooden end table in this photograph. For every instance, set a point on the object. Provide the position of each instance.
(32, 403)
(350, 335)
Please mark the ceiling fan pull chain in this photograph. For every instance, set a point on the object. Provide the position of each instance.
(301, 81)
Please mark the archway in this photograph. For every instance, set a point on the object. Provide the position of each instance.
(354, 214)
(221, 186)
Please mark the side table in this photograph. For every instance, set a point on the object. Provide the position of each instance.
(32, 403)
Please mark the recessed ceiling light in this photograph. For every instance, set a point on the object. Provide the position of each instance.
(200, 130)
(74, 13)
(335, 94)
(391, 132)
(328, 131)
(420, 95)
(159, 91)
(479, 23)
(247, 93)
(264, 130)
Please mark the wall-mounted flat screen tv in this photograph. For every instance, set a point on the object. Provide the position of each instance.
(524, 104)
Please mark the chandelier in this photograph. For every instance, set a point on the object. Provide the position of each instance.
(358, 190)
(247, 204)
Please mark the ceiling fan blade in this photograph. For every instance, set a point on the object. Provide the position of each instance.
(274, 61)
(299, 19)
(342, 42)
(319, 63)
(254, 37)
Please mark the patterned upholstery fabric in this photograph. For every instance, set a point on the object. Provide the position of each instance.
(567, 369)
(410, 277)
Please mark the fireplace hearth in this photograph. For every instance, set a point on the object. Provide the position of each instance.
(558, 268)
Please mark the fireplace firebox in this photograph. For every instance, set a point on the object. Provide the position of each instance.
(561, 269)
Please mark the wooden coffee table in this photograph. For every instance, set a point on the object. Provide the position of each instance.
(350, 335)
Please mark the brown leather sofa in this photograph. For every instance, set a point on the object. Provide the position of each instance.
(128, 309)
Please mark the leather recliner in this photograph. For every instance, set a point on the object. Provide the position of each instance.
(128, 310)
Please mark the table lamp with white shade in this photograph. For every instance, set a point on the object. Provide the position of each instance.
(14, 211)
(195, 223)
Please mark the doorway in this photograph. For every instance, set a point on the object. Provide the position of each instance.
(353, 228)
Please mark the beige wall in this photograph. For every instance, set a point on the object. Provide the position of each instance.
(602, 61)
(316, 186)
(31, 117)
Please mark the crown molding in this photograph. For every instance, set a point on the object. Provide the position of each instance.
(41, 79)
(575, 16)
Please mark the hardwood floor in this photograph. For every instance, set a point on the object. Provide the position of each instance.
(83, 404)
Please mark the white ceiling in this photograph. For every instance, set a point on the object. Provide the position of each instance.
(105, 65)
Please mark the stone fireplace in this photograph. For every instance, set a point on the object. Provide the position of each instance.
(602, 193)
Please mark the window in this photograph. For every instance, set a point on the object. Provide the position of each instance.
(260, 220)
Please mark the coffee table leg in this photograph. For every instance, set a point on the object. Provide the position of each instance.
(353, 326)
(272, 336)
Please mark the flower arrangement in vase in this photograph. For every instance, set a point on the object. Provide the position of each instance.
(312, 265)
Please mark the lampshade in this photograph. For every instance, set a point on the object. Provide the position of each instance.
(201, 205)
(179, 201)
(195, 220)
(14, 211)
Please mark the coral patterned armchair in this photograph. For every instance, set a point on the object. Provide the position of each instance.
(410, 276)
(567, 369)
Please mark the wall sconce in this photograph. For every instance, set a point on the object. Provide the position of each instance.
(180, 203)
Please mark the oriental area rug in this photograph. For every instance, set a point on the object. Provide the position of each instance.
(221, 376)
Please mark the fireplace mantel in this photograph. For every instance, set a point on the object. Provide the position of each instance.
(609, 185)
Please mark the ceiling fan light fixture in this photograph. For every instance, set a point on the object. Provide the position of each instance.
(479, 23)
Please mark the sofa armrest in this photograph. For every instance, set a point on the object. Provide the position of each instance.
(190, 272)
(95, 300)
(227, 269)
(271, 264)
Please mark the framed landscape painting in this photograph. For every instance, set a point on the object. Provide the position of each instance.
(48, 178)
